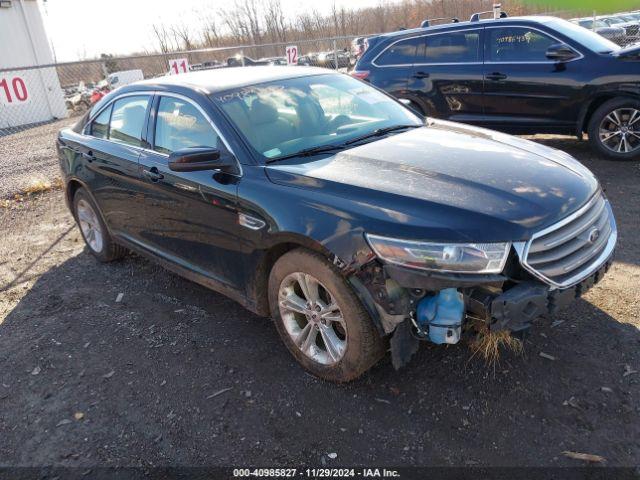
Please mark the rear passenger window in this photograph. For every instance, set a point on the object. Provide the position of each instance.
(401, 53)
(179, 124)
(454, 47)
(100, 126)
(517, 44)
(127, 120)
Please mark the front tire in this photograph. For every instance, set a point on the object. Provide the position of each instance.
(94, 231)
(614, 129)
(320, 319)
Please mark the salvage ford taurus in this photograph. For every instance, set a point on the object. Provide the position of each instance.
(316, 199)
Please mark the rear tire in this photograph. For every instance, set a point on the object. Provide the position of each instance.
(614, 129)
(320, 319)
(94, 231)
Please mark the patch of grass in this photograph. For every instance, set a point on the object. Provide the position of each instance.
(37, 186)
(489, 345)
(41, 186)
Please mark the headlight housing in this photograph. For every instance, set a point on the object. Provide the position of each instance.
(442, 257)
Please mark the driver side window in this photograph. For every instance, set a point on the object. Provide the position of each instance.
(179, 124)
(517, 44)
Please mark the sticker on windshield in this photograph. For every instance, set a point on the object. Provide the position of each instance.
(369, 97)
(274, 152)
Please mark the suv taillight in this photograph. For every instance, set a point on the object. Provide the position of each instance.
(361, 74)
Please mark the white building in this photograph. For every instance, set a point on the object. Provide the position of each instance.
(26, 95)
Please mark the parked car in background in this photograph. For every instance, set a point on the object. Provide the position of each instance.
(358, 46)
(518, 75)
(313, 198)
(631, 27)
(124, 77)
(273, 61)
(617, 35)
(208, 65)
(331, 58)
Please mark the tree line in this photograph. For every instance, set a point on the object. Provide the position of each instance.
(255, 22)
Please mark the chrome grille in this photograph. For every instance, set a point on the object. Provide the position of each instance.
(569, 251)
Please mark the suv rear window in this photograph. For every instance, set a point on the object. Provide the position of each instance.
(454, 47)
(400, 53)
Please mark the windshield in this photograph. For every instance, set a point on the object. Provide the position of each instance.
(588, 38)
(288, 116)
(614, 21)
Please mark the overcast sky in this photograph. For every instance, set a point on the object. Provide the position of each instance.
(85, 28)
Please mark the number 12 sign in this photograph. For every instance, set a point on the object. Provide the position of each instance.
(178, 66)
(292, 55)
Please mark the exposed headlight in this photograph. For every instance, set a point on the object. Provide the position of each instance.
(443, 257)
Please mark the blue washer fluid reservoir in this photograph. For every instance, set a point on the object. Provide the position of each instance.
(442, 315)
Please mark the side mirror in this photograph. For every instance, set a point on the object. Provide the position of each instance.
(195, 159)
(560, 52)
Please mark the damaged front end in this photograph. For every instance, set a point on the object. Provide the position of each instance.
(483, 287)
(413, 306)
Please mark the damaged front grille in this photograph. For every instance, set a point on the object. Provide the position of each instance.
(569, 251)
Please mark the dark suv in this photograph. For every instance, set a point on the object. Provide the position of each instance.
(519, 75)
(318, 200)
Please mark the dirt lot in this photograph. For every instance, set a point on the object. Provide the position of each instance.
(87, 380)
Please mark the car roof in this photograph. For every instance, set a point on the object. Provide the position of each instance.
(221, 79)
(533, 19)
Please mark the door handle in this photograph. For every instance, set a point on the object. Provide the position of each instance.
(152, 174)
(496, 76)
(421, 75)
(88, 156)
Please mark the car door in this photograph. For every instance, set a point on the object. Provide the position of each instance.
(447, 75)
(524, 90)
(113, 144)
(192, 218)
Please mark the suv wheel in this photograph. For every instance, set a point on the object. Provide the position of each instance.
(319, 318)
(94, 231)
(614, 129)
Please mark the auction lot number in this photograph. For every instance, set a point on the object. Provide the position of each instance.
(13, 90)
(292, 55)
(178, 66)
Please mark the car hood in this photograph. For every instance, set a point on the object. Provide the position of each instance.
(447, 174)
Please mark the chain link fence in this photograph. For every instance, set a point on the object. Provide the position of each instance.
(31, 95)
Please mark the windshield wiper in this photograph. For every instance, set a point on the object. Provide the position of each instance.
(309, 152)
(380, 132)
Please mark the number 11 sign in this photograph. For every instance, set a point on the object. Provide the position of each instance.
(178, 66)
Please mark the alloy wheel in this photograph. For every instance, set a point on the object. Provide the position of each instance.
(312, 318)
(620, 130)
(90, 226)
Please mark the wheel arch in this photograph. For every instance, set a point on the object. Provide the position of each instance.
(278, 249)
(589, 109)
(72, 186)
(279, 246)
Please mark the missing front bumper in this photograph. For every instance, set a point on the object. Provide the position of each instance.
(517, 307)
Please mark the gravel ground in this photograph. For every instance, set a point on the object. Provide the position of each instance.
(174, 374)
(29, 157)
